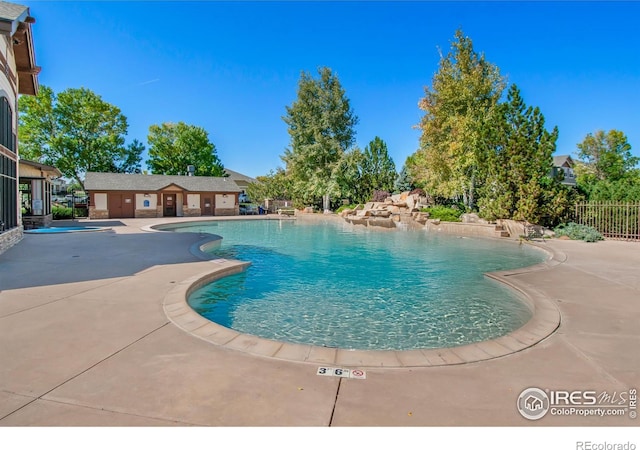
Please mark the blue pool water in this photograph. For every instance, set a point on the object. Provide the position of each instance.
(53, 230)
(341, 286)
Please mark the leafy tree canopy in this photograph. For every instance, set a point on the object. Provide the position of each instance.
(605, 156)
(349, 176)
(175, 146)
(321, 129)
(77, 132)
(464, 90)
(275, 185)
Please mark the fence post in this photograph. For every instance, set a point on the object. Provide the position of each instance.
(613, 220)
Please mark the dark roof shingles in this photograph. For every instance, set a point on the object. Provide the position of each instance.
(95, 181)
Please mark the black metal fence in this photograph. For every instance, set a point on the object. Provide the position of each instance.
(613, 220)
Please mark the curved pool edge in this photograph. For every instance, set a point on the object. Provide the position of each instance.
(544, 322)
(198, 249)
(61, 230)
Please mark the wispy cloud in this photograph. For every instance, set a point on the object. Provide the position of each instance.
(149, 82)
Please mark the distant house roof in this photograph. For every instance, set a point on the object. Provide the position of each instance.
(95, 181)
(562, 161)
(15, 22)
(236, 176)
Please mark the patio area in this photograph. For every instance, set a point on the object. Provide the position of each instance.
(85, 341)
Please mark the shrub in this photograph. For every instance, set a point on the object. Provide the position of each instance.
(443, 213)
(343, 207)
(63, 212)
(578, 232)
(81, 212)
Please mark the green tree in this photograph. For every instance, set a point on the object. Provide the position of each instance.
(349, 176)
(623, 190)
(378, 169)
(275, 185)
(516, 163)
(403, 181)
(77, 132)
(321, 129)
(605, 156)
(464, 90)
(175, 146)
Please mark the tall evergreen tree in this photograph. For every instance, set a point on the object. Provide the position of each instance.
(403, 182)
(516, 163)
(321, 129)
(378, 169)
(464, 90)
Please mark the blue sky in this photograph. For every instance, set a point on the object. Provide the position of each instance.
(233, 67)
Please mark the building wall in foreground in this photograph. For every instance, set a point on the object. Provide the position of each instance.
(10, 223)
(10, 238)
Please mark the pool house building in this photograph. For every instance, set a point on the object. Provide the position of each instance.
(120, 195)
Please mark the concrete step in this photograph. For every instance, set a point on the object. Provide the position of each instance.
(501, 231)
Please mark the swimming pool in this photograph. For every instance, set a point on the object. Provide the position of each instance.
(53, 230)
(336, 285)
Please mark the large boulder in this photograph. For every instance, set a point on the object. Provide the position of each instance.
(470, 218)
(411, 201)
(380, 222)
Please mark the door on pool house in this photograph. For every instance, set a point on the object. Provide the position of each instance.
(169, 205)
(120, 205)
(207, 205)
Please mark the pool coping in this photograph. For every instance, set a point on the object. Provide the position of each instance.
(87, 229)
(544, 322)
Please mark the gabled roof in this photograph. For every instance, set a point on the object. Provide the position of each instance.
(43, 167)
(15, 22)
(95, 181)
(236, 176)
(562, 161)
(10, 14)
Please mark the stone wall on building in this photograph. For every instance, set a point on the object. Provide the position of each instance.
(30, 222)
(191, 212)
(98, 213)
(10, 238)
(227, 211)
(146, 213)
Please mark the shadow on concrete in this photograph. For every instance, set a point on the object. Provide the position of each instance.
(46, 259)
(85, 223)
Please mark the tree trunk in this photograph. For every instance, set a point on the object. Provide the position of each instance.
(326, 203)
(472, 188)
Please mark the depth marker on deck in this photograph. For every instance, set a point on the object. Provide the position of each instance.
(342, 373)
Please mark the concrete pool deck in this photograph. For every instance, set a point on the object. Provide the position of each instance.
(85, 341)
